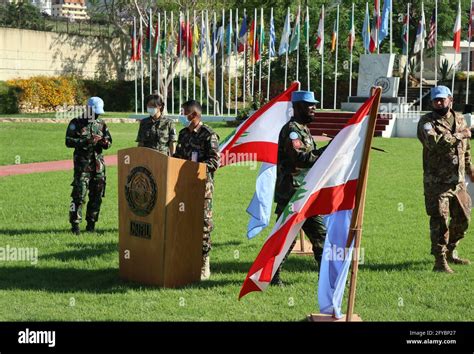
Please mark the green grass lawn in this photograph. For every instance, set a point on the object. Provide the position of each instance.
(36, 142)
(76, 278)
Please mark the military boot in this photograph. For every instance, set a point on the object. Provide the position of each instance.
(441, 265)
(276, 281)
(75, 229)
(206, 268)
(452, 257)
(90, 226)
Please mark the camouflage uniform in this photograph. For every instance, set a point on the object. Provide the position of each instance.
(157, 134)
(89, 167)
(204, 143)
(446, 159)
(297, 152)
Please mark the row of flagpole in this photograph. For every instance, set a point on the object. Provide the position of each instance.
(254, 43)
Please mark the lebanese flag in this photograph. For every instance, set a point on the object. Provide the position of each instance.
(319, 45)
(258, 135)
(329, 188)
(457, 32)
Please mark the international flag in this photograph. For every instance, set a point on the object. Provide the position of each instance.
(387, 9)
(366, 30)
(471, 22)
(420, 34)
(257, 139)
(329, 189)
(156, 42)
(375, 32)
(188, 39)
(334, 38)
(138, 55)
(406, 21)
(196, 39)
(457, 31)
(295, 36)
(272, 38)
(351, 37)
(432, 35)
(306, 28)
(148, 38)
(133, 56)
(228, 38)
(319, 45)
(285, 36)
(203, 44)
(243, 34)
(251, 33)
(181, 37)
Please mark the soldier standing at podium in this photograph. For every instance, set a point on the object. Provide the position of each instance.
(157, 131)
(198, 142)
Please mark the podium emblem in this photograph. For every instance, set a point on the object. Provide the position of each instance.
(140, 191)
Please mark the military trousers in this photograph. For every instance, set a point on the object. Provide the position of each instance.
(449, 213)
(208, 222)
(315, 229)
(94, 182)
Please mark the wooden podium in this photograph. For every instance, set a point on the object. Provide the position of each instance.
(161, 202)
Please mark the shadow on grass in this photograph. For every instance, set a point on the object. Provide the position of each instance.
(294, 263)
(409, 265)
(15, 232)
(83, 251)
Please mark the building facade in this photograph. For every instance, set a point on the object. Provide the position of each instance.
(72, 9)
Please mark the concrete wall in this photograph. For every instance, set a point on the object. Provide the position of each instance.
(25, 53)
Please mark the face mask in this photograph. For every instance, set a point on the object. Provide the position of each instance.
(152, 111)
(184, 121)
(442, 111)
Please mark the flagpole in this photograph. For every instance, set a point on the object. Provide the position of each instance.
(307, 47)
(298, 46)
(236, 58)
(194, 56)
(352, 45)
(355, 231)
(141, 65)
(253, 52)
(172, 64)
(322, 63)
(214, 57)
(337, 47)
(229, 77)
(244, 86)
(222, 64)
(186, 44)
(135, 62)
(158, 54)
(408, 52)
(165, 33)
(180, 57)
(421, 54)
(436, 44)
(455, 51)
(260, 49)
(391, 25)
(269, 54)
(201, 52)
(377, 27)
(150, 46)
(468, 69)
(207, 63)
(286, 55)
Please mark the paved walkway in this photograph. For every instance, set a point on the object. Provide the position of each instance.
(47, 166)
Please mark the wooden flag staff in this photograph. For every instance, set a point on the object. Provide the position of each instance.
(355, 230)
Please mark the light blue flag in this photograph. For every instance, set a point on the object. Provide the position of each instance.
(260, 207)
(272, 38)
(366, 30)
(387, 8)
(334, 266)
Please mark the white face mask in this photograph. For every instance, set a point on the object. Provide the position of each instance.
(152, 111)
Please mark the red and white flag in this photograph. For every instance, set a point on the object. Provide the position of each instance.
(257, 137)
(329, 187)
(374, 34)
(457, 31)
(319, 45)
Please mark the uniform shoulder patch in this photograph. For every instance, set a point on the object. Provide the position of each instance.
(72, 126)
(427, 126)
(294, 136)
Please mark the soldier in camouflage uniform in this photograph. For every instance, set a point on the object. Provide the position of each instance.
(157, 131)
(88, 135)
(297, 153)
(446, 160)
(198, 142)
